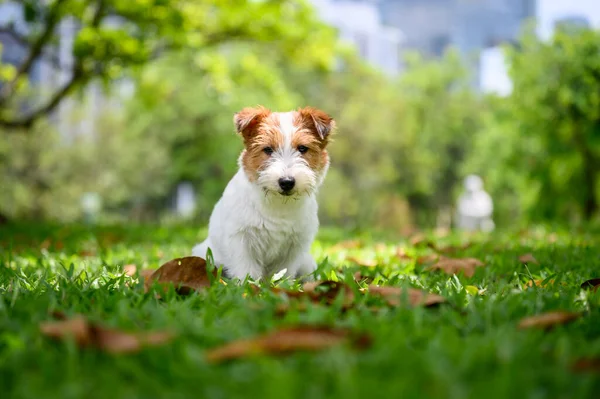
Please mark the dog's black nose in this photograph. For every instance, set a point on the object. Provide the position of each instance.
(287, 183)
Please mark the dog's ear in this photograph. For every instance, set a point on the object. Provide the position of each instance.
(321, 123)
(248, 119)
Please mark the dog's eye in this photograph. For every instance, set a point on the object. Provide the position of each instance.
(302, 149)
(268, 150)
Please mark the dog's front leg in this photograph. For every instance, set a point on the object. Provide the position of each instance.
(243, 264)
(302, 267)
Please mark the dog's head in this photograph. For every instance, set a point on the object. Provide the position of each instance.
(285, 151)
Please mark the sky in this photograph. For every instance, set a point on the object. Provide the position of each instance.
(549, 11)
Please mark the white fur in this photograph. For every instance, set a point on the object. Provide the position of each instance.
(256, 231)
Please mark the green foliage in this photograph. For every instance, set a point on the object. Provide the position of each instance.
(118, 34)
(542, 146)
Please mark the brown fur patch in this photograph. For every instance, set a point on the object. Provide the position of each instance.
(264, 134)
(314, 127)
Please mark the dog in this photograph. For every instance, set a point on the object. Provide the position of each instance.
(266, 219)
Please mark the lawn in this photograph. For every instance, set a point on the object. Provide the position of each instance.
(469, 347)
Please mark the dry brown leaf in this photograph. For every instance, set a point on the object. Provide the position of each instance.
(419, 240)
(87, 334)
(528, 258)
(401, 254)
(593, 284)
(421, 260)
(591, 364)
(394, 295)
(286, 341)
(130, 270)
(548, 320)
(363, 262)
(321, 291)
(187, 274)
(466, 266)
(358, 276)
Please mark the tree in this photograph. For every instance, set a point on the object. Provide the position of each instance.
(114, 35)
(554, 112)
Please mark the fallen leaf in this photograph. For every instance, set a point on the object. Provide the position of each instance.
(285, 341)
(87, 334)
(421, 260)
(590, 364)
(187, 274)
(130, 270)
(328, 290)
(321, 291)
(401, 254)
(419, 240)
(394, 295)
(593, 284)
(146, 273)
(457, 265)
(528, 258)
(359, 277)
(548, 320)
(363, 262)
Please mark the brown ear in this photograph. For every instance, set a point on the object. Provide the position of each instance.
(248, 119)
(322, 123)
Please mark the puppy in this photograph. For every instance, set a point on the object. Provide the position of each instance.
(266, 220)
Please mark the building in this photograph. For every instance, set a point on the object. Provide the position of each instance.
(359, 23)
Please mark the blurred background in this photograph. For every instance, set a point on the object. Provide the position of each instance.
(121, 110)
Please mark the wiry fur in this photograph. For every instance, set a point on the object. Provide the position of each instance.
(256, 229)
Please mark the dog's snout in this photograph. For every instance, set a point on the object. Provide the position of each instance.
(287, 183)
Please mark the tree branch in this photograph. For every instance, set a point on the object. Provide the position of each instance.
(27, 121)
(37, 46)
(77, 76)
(23, 41)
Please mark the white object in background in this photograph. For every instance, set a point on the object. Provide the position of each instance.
(185, 200)
(475, 206)
(91, 204)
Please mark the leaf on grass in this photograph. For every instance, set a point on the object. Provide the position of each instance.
(321, 291)
(467, 266)
(593, 284)
(419, 240)
(425, 259)
(359, 277)
(286, 341)
(528, 258)
(590, 364)
(87, 334)
(394, 296)
(130, 270)
(363, 262)
(187, 274)
(401, 254)
(548, 320)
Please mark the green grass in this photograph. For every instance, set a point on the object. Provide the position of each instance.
(468, 348)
